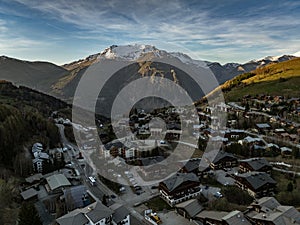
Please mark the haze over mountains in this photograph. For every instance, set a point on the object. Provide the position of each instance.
(61, 81)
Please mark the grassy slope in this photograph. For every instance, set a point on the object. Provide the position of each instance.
(276, 79)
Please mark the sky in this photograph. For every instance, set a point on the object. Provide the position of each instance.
(61, 31)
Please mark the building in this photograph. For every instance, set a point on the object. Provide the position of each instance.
(93, 214)
(285, 151)
(39, 157)
(255, 165)
(189, 209)
(56, 183)
(268, 211)
(222, 218)
(257, 184)
(29, 194)
(121, 215)
(179, 188)
(234, 134)
(38, 165)
(263, 127)
(36, 178)
(76, 197)
(223, 160)
(191, 166)
(153, 167)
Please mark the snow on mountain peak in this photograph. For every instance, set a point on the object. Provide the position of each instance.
(128, 52)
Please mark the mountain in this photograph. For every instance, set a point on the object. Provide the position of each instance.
(37, 75)
(281, 78)
(62, 81)
(134, 52)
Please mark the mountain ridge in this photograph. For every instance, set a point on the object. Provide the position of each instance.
(61, 81)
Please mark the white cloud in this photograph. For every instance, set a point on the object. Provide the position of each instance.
(174, 22)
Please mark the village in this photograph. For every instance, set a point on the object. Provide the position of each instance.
(255, 166)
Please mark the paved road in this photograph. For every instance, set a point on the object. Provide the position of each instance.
(100, 189)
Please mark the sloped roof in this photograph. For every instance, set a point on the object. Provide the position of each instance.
(256, 163)
(73, 196)
(221, 155)
(236, 218)
(175, 181)
(33, 178)
(192, 164)
(98, 212)
(271, 210)
(192, 207)
(216, 215)
(268, 202)
(28, 193)
(120, 212)
(75, 217)
(257, 179)
(57, 180)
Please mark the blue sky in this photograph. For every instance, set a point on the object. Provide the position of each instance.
(61, 31)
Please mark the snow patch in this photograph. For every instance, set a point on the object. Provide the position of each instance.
(128, 52)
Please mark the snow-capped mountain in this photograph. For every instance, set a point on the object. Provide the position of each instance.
(268, 59)
(136, 51)
(62, 81)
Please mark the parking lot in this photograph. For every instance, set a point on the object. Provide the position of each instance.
(134, 193)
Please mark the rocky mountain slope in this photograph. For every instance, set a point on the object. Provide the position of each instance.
(61, 81)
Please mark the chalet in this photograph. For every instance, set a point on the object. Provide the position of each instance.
(75, 197)
(255, 165)
(56, 183)
(189, 209)
(222, 218)
(121, 215)
(268, 211)
(191, 166)
(93, 214)
(211, 217)
(263, 127)
(36, 178)
(257, 184)
(285, 151)
(179, 188)
(234, 134)
(250, 141)
(29, 194)
(273, 147)
(223, 160)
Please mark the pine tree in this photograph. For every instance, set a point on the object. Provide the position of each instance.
(290, 187)
(28, 215)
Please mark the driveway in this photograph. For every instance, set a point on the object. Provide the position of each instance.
(209, 192)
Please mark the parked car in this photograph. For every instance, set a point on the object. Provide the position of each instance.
(218, 195)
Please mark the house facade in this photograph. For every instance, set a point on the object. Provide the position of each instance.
(257, 184)
(223, 160)
(255, 165)
(179, 188)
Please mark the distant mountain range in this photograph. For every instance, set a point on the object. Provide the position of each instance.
(61, 81)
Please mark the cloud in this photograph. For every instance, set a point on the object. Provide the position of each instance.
(222, 27)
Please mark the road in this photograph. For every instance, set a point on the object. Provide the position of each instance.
(85, 171)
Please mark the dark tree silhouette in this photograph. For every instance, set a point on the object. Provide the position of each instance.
(28, 215)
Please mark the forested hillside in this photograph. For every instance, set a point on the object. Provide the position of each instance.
(24, 119)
